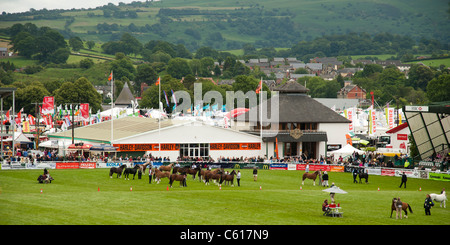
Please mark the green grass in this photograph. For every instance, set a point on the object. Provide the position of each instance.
(73, 199)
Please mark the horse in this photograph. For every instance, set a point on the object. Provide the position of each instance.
(312, 176)
(405, 206)
(142, 167)
(363, 176)
(45, 179)
(188, 170)
(166, 168)
(178, 177)
(215, 175)
(118, 171)
(160, 174)
(129, 171)
(442, 198)
(228, 177)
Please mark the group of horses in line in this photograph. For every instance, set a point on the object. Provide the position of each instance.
(442, 198)
(176, 173)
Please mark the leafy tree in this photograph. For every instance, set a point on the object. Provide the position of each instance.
(178, 68)
(419, 76)
(76, 43)
(438, 89)
(80, 91)
(145, 74)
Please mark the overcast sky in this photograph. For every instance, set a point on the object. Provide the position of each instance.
(15, 6)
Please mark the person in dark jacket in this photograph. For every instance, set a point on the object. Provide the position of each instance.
(428, 204)
(404, 179)
(325, 178)
(355, 173)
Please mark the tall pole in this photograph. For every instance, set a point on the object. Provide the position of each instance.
(160, 116)
(112, 108)
(36, 125)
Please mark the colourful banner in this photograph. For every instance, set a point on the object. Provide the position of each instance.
(48, 105)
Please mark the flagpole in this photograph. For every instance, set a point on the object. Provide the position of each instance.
(160, 116)
(260, 113)
(112, 107)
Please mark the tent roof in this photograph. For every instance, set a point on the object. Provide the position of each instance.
(347, 149)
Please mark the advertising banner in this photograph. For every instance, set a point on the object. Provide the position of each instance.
(278, 166)
(439, 176)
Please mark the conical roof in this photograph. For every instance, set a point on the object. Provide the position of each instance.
(125, 96)
(291, 86)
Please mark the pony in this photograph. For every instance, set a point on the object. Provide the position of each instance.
(228, 177)
(166, 168)
(442, 198)
(45, 179)
(312, 176)
(129, 171)
(363, 176)
(178, 177)
(188, 170)
(215, 175)
(160, 174)
(142, 167)
(405, 206)
(118, 171)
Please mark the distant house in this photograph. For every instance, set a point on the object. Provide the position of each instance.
(3, 52)
(351, 91)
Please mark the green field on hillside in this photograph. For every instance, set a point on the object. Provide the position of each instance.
(90, 197)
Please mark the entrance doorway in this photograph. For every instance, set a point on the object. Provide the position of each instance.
(291, 149)
(309, 150)
(194, 150)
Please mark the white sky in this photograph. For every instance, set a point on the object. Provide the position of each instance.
(15, 6)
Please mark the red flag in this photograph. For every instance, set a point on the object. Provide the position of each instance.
(110, 77)
(158, 81)
(31, 119)
(19, 117)
(258, 89)
(48, 105)
(276, 146)
(84, 108)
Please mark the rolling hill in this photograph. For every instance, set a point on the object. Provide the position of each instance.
(228, 25)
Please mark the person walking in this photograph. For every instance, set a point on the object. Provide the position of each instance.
(404, 179)
(428, 204)
(238, 178)
(150, 175)
(355, 173)
(398, 208)
(255, 174)
(325, 178)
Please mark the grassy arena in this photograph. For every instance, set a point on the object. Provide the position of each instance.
(84, 196)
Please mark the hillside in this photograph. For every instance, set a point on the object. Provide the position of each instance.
(228, 25)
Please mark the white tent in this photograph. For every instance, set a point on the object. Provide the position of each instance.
(18, 138)
(345, 151)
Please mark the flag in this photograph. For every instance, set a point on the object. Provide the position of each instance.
(48, 105)
(109, 78)
(19, 117)
(173, 97)
(67, 121)
(31, 119)
(26, 126)
(258, 89)
(372, 122)
(167, 100)
(158, 81)
(84, 109)
(8, 115)
(276, 146)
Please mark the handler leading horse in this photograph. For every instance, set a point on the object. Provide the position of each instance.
(405, 206)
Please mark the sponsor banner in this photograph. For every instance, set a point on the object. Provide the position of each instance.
(337, 168)
(388, 172)
(402, 137)
(292, 166)
(89, 165)
(313, 168)
(278, 166)
(234, 146)
(439, 176)
(67, 165)
(410, 173)
(373, 171)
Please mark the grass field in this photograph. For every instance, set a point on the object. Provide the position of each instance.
(90, 197)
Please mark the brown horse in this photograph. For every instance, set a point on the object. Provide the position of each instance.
(160, 174)
(166, 168)
(178, 177)
(117, 171)
(188, 170)
(214, 175)
(312, 176)
(228, 178)
(142, 167)
(405, 206)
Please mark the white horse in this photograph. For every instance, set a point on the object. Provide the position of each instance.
(439, 198)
